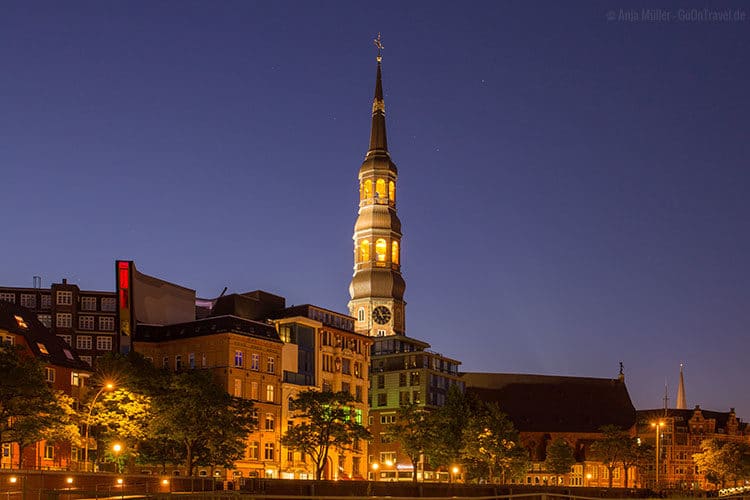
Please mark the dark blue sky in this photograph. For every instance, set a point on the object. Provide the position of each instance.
(572, 188)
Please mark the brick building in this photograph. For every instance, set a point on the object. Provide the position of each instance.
(544, 408)
(64, 371)
(680, 433)
(84, 319)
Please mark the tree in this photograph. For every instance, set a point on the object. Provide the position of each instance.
(491, 444)
(634, 454)
(449, 421)
(329, 422)
(28, 406)
(414, 431)
(611, 448)
(560, 457)
(122, 416)
(196, 412)
(723, 461)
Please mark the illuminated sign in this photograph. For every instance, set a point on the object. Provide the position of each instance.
(125, 297)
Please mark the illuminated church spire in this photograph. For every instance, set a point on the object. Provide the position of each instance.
(681, 400)
(377, 287)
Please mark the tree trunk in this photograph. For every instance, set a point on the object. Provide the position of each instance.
(611, 470)
(625, 476)
(414, 470)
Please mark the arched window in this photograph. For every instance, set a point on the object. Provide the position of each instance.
(269, 393)
(361, 314)
(380, 188)
(364, 250)
(367, 189)
(269, 422)
(394, 252)
(380, 249)
(391, 190)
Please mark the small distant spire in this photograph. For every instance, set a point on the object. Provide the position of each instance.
(666, 397)
(378, 140)
(681, 399)
(622, 373)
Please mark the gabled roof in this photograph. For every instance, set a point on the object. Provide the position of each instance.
(544, 403)
(683, 416)
(39, 338)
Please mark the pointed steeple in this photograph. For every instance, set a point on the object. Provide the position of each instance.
(681, 400)
(378, 141)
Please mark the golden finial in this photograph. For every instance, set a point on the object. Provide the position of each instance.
(380, 47)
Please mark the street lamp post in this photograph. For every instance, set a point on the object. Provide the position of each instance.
(106, 387)
(117, 448)
(657, 426)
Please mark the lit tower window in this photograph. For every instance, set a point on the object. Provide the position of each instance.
(364, 251)
(394, 252)
(380, 188)
(380, 249)
(392, 191)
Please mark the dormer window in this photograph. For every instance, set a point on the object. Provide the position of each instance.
(21, 322)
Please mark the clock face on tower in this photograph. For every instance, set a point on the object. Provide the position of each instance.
(381, 315)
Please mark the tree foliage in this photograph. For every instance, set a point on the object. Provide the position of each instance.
(327, 421)
(612, 448)
(415, 432)
(450, 420)
(560, 457)
(29, 408)
(723, 461)
(199, 415)
(491, 445)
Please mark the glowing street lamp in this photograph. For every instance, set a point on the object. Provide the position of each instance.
(117, 448)
(454, 472)
(106, 387)
(657, 426)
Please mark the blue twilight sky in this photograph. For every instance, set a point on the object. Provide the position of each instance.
(573, 177)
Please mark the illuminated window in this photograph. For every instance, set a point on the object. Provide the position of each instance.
(394, 252)
(367, 189)
(364, 250)
(269, 393)
(392, 191)
(380, 248)
(380, 189)
(21, 322)
(271, 364)
(49, 452)
(252, 450)
(361, 314)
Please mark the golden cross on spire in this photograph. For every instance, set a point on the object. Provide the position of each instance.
(380, 47)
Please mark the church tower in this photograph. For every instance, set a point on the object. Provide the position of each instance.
(377, 287)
